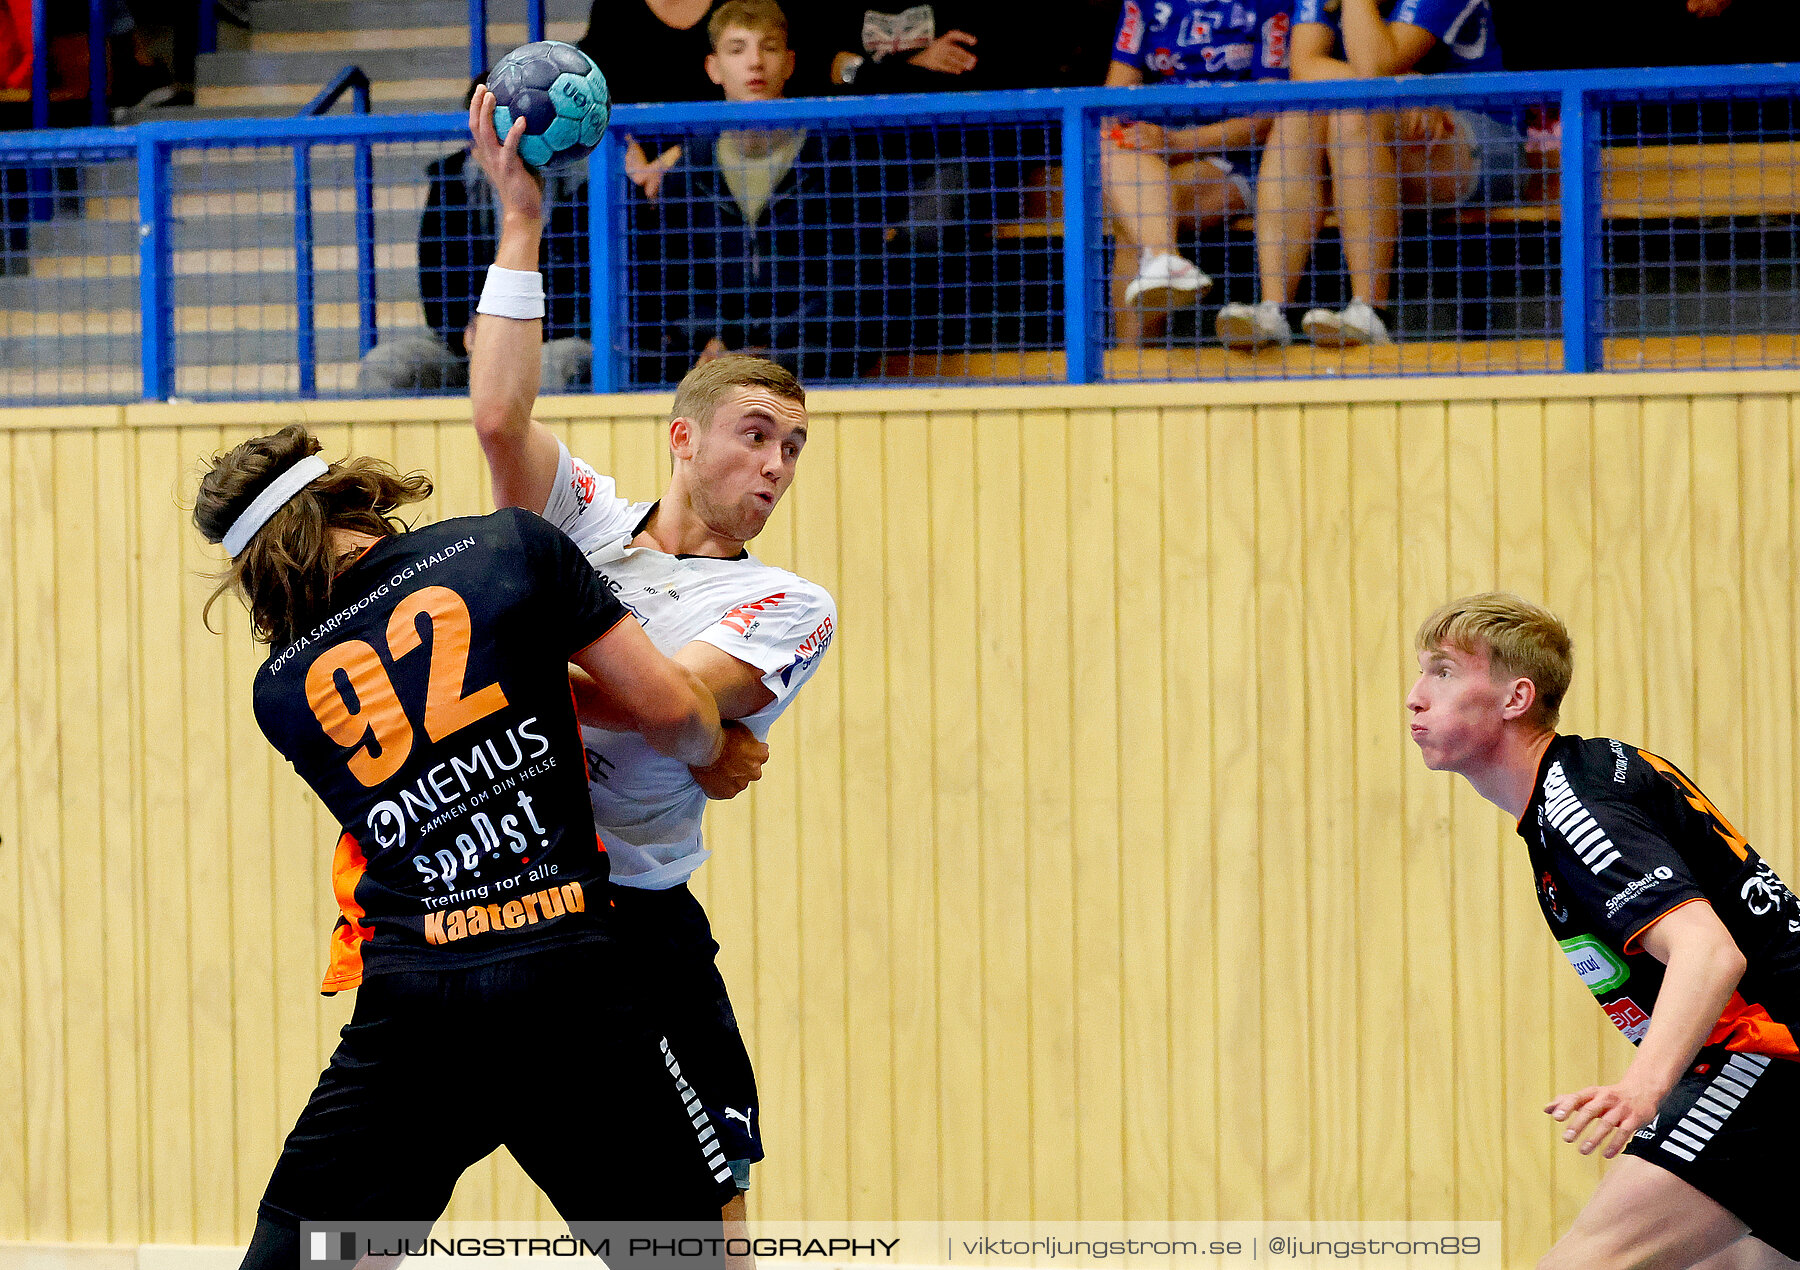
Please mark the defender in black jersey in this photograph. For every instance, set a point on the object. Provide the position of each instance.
(1687, 938)
(418, 682)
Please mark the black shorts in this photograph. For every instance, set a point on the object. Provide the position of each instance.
(673, 951)
(1724, 1130)
(436, 1069)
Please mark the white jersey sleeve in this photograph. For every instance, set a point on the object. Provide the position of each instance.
(783, 634)
(585, 505)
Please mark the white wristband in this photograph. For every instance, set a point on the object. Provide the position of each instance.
(512, 293)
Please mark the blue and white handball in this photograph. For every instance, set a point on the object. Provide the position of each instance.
(561, 95)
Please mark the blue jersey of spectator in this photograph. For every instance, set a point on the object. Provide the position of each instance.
(1466, 40)
(1204, 41)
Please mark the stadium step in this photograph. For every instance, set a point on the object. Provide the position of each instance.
(102, 292)
(69, 327)
(325, 16)
(415, 54)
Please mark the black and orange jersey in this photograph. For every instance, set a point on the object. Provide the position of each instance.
(1620, 838)
(431, 713)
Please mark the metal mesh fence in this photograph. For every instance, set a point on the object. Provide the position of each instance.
(69, 329)
(283, 273)
(1294, 230)
(1701, 230)
(851, 253)
(1400, 237)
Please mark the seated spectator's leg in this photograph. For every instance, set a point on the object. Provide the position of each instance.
(1290, 201)
(1207, 191)
(1135, 192)
(1366, 196)
(566, 364)
(1201, 192)
(1290, 207)
(1135, 189)
(412, 361)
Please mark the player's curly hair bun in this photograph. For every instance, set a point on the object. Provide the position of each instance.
(284, 574)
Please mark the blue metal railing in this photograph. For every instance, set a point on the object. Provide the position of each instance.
(352, 80)
(40, 64)
(1074, 113)
(478, 22)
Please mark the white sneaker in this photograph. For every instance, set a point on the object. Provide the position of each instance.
(1253, 326)
(1166, 280)
(1354, 325)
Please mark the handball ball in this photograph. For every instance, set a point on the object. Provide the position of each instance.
(561, 95)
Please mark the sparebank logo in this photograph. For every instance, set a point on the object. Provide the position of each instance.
(1594, 962)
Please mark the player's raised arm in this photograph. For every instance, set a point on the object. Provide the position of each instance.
(509, 327)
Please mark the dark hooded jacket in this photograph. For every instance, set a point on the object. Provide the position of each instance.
(803, 284)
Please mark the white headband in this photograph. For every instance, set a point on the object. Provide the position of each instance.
(272, 500)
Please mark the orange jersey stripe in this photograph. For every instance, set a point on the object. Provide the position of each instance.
(347, 868)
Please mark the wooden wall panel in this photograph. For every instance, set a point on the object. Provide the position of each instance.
(14, 1199)
(1093, 876)
(45, 1158)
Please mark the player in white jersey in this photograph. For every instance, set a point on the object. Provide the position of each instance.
(751, 632)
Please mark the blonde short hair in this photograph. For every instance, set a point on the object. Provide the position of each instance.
(701, 390)
(1521, 640)
(757, 16)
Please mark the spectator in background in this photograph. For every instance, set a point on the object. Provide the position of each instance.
(1377, 160)
(949, 175)
(1055, 44)
(651, 51)
(922, 48)
(761, 240)
(457, 236)
(1155, 177)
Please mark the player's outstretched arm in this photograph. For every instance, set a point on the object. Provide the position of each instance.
(635, 688)
(504, 355)
(1704, 965)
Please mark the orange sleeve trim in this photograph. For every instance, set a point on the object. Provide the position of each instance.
(602, 635)
(1630, 945)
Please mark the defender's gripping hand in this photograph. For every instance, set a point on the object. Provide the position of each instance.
(739, 763)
